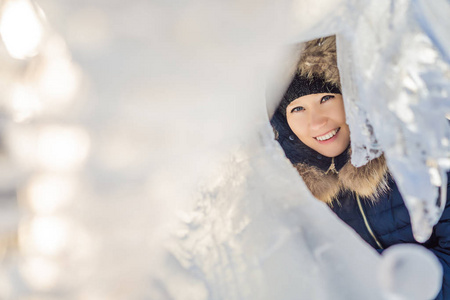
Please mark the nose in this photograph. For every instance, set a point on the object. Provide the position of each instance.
(317, 121)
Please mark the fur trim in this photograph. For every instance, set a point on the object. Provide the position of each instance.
(323, 186)
(319, 59)
(369, 181)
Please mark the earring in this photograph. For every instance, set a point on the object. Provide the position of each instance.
(291, 137)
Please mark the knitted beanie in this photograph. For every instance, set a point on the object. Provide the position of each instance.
(302, 86)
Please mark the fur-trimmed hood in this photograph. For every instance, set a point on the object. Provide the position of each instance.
(326, 177)
(319, 59)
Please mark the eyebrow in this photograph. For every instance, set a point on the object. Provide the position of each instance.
(298, 103)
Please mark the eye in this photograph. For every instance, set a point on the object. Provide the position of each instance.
(298, 108)
(326, 98)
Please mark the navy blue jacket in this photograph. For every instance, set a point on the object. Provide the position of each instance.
(389, 221)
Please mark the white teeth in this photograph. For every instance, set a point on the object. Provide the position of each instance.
(327, 136)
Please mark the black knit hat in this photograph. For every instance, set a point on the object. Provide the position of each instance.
(302, 86)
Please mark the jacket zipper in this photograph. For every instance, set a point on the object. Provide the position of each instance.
(332, 167)
(367, 223)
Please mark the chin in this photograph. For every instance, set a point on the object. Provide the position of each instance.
(332, 152)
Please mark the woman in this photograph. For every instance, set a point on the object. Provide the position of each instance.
(310, 126)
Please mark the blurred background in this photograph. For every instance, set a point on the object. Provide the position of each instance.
(119, 121)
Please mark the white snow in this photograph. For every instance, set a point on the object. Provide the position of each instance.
(182, 192)
(410, 272)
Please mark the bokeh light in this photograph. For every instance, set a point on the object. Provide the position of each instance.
(46, 193)
(24, 103)
(46, 235)
(59, 80)
(41, 273)
(61, 148)
(21, 28)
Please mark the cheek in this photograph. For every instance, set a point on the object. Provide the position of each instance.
(340, 111)
(342, 115)
(298, 126)
(345, 133)
(337, 113)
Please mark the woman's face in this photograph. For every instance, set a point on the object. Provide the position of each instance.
(318, 120)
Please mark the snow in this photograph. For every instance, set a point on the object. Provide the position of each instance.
(409, 271)
(177, 187)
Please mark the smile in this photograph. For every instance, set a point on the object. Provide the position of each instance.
(327, 136)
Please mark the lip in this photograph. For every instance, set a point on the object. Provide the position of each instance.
(326, 132)
(329, 140)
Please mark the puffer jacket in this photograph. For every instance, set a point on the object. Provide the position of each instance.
(368, 197)
(386, 222)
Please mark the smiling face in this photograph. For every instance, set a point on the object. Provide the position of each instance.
(318, 120)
